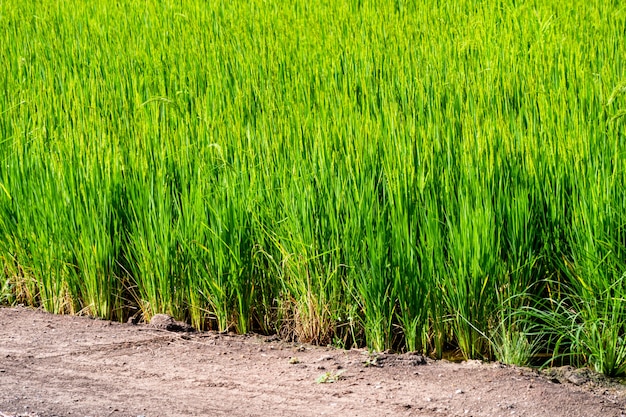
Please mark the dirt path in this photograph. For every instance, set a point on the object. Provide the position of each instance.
(72, 366)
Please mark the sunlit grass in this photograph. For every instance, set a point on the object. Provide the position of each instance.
(400, 175)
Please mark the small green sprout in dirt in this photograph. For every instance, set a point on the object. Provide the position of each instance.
(371, 360)
(329, 377)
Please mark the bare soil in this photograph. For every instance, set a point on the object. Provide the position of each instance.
(76, 366)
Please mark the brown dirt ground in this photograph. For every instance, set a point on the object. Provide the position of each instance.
(76, 366)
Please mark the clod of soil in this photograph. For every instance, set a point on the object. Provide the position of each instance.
(76, 366)
(165, 322)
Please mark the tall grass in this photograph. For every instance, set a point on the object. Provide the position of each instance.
(403, 175)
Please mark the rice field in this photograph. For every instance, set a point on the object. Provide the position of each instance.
(414, 175)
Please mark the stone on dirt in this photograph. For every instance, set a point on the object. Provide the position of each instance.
(167, 322)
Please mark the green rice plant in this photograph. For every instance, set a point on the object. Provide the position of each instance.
(512, 347)
(583, 319)
(375, 281)
(230, 241)
(96, 249)
(152, 245)
(41, 245)
(469, 292)
(19, 285)
(431, 249)
(409, 267)
(584, 330)
(309, 277)
(597, 310)
(190, 255)
(414, 271)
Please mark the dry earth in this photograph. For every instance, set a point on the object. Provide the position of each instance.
(75, 366)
